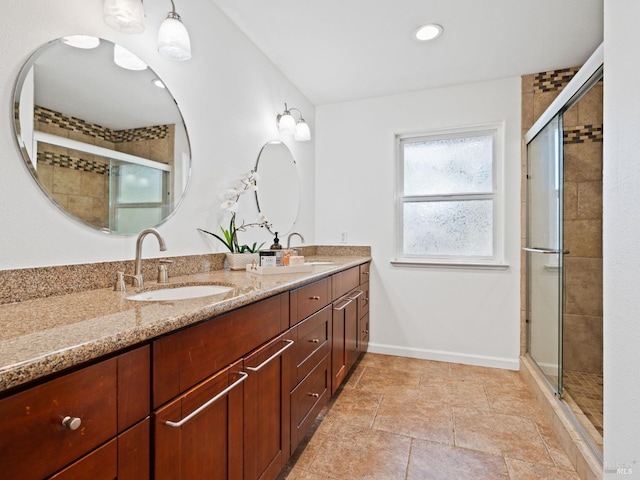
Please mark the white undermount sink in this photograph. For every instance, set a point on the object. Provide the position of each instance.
(180, 293)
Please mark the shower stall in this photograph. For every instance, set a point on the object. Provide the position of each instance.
(563, 247)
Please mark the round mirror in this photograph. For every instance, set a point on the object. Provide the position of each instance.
(101, 134)
(278, 193)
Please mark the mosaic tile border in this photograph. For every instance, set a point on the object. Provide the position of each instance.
(73, 124)
(73, 163)
(583, 134)
(553, 80)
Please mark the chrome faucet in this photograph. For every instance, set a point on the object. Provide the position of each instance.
(137, 274)
(291, 235)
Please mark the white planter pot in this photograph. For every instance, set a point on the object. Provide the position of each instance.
(239, 261)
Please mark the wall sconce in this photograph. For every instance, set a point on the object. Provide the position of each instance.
(287, 125)
(127, 16)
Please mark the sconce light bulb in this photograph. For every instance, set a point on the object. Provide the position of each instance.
(126, 16)
(173, 38)
(303, 134)
(286, 124)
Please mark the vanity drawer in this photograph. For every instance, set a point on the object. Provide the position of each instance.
(34, 443)
(308, 399)
(309, 299)
(343, 282)
(364, 272)
(185, 358)
(313, 343)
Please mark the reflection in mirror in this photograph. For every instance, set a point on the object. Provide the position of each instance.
(107, 145)
(278, 193)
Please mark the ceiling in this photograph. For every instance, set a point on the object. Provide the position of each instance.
(341, 50)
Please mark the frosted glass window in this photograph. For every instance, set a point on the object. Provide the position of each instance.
(451, 228)
(448, 204)
(447, 166)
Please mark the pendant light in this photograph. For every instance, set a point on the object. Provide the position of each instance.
(126, 16)
(173, 38)
(127, 60)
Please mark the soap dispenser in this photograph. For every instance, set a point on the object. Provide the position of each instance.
(278, 248)
(276, 243)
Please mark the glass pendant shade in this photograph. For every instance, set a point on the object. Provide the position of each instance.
(287, 124)
(303, 134)
(84, 42)
(126, 16)
(173, 39)
(125, 59)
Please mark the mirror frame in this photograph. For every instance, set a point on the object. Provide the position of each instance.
(18, 135)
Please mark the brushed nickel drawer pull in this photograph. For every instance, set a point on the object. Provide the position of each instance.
(198, 410)
(314, 395)
(315, 297)
(255, 369)
(367, 332)
(72, 423)
(356, 294)
(314, 340)
(343, 306)
(365, 273)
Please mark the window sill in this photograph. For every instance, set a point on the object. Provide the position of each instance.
(431, 264)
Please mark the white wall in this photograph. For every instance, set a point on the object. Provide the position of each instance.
(462, 315)
(229, 94)
(621, 230)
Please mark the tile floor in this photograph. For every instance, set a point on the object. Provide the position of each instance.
(403, 418)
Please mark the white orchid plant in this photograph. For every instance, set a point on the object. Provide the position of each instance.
(231, 197)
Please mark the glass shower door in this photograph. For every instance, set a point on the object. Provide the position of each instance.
(544, 251)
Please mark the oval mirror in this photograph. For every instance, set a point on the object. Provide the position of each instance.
(106, 143)
(278, 194)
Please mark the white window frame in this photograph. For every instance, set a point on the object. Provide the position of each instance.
(465, 261)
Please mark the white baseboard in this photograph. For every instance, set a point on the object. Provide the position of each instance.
(451, 357)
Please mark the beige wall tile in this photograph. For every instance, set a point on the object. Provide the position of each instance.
(583, 286)
(541, 102)
(571, 118)
(583, 162)
(570, 200)
(45, 176)
(66, 181)
(590, 106)
(81, 207)
(582, 343)
(589, 200)
(583, 238)
(527, 111)
(527, 83)
(93, 185)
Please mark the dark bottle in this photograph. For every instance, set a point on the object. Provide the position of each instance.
(276, 243)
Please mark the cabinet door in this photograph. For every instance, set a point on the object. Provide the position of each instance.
(267, 409)
(345, 340)
(198, 436)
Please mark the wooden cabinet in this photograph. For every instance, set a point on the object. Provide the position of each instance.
(345, 335)
(363, 308)
(267, 409)
(307, 300)
(53, 424)
(199, 435)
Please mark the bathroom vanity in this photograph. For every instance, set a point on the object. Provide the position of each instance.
(214, 387)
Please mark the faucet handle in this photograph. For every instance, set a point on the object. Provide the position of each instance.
(120, 286)
(163, 272)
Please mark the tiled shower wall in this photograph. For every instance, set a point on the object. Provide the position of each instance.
(582, 215)
(78, 181)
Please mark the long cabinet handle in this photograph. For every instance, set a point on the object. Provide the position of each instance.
(356, 294)
(343, 306)
(243, 377)
(255, 369)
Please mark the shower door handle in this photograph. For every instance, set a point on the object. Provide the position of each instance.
(544, 250)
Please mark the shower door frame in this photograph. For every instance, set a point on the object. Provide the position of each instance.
(590, 73)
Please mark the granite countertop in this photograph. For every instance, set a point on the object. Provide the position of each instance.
(44, 336)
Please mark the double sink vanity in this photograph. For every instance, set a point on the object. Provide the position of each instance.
(97, 385)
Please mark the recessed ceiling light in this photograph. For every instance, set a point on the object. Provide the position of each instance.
(158, 83)
(81, 41)
(427, 32)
